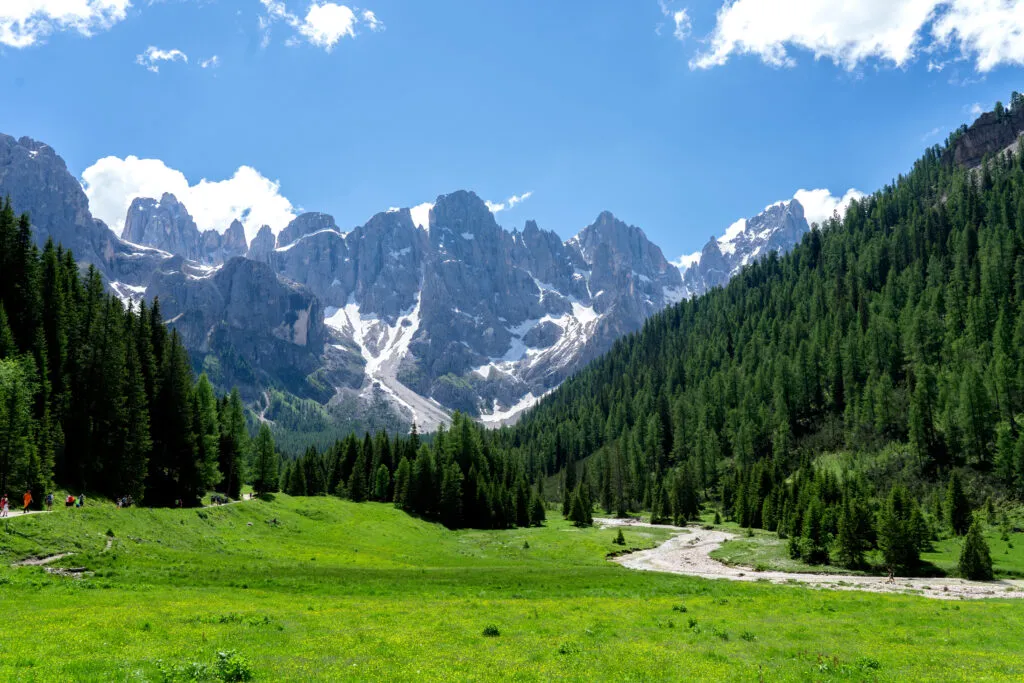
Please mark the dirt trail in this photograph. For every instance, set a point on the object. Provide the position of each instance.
(689, 552)
(40, 561)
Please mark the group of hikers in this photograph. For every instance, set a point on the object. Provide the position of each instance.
(27, 500)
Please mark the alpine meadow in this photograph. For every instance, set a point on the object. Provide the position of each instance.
(245, 440)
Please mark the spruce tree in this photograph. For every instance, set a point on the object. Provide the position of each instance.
(975, 561)
(958, 508)
(382, 481)
(266, 463)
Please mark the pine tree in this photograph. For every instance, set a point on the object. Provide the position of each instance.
(958, 508)
(975, 561)
(382, 481)
(207, 428)
(266, 464)
(450, 502)
(233, 449)
(402, 475)
(357, 483)
(896, 536)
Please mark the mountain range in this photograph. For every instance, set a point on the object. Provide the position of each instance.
(412, 315)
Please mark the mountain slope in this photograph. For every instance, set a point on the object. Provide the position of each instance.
(902, 323)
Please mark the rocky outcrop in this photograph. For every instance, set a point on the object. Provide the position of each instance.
(777, 229)
(37, 181)
(262, 246)
(216, 248)
(164, 224)
(991, 133)
(246, 326)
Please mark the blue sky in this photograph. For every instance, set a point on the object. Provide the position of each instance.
(678, 123)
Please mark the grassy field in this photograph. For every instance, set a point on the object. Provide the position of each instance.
(338, 591)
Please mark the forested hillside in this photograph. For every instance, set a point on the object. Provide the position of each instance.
(894, 333)
(94, 397)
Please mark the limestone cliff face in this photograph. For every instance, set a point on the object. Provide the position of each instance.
(991, 133)
(165, 224)
(259, 329)
(37, 181)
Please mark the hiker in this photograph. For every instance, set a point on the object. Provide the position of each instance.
(49, 502)
(69, 501)
(3, 506)
(27, 498)
(80, 503)
(892, 578)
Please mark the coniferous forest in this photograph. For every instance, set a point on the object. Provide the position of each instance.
(891, 339)
(96, 397)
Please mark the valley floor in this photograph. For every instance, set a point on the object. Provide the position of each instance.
(322, 589)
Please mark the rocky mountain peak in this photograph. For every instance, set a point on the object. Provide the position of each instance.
(306, 224)
(164, 224)
(776, 229)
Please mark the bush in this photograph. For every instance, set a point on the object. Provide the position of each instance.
(491, 631)
(233, 667)
(620, 539)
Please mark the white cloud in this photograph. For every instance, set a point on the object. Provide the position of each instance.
(371, 21)
(820, 204)
(324, 25)
(112, 183)
(930, 134)
(975, 109)
(211, 63)
(682, 21)
(328, 23)
(495, 207)
(153, 54)
(680, 18)
(687, 260)
(26, 22)
(991, 32)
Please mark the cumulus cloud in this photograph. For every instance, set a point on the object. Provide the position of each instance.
(495, 207)
(112, 183)
(28, 22)
(820, 204)
(153, 55)
(324, 25)
(990, 32)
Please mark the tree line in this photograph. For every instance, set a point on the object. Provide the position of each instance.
(457, 478)
(97, 396)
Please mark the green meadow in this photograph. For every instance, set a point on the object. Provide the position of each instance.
(324, 589)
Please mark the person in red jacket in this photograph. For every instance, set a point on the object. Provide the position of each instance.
(28, 500)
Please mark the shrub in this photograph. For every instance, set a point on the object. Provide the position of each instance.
(232, 667)
(491, 631)
(620, 539)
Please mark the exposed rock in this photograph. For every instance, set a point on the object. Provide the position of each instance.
(38, 182)
(777, 229)
(262, 247)
(306, 224)
(991, 133)
(164, 224)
